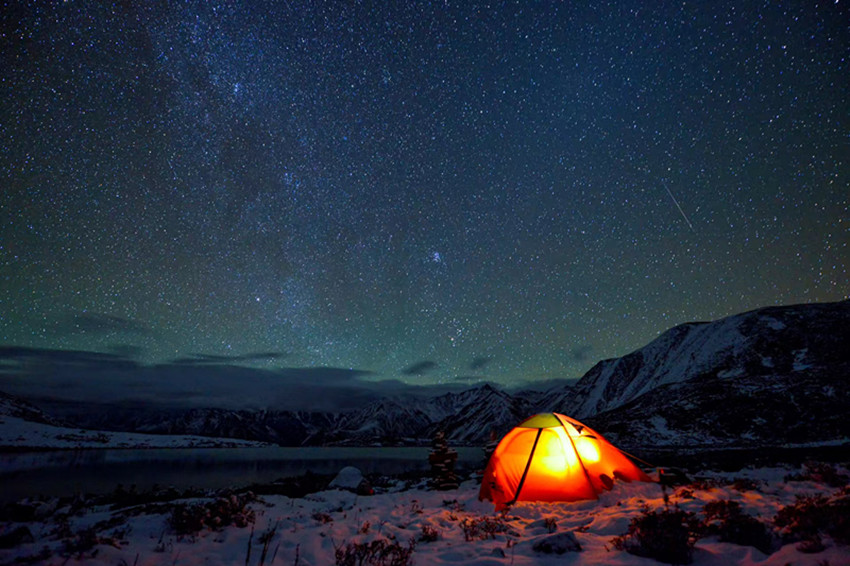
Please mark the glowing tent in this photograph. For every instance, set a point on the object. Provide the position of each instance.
(551, 457)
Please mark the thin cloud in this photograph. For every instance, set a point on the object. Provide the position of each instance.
(81, 376)
(419, 368)
(207, 359)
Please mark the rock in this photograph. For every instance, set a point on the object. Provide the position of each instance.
(558, 543)
(442, 460)
(351, 479)
(348, 478)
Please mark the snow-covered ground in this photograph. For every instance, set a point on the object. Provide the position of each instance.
(306, 531)
(20, 434)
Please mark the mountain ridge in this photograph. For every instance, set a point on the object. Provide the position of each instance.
(700, 383)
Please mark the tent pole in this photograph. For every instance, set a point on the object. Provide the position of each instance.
(525, 471)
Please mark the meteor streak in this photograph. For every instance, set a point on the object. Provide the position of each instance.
(682, 212)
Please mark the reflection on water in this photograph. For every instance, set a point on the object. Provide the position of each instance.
(67, 472)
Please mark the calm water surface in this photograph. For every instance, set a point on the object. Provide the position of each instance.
(66, 472)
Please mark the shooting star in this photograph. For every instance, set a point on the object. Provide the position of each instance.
(682, 212)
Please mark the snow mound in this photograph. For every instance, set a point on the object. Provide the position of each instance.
(351, 479)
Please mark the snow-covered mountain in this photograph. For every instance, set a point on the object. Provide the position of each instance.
(772, 376)
(806, 407)
(466, 418)
(388, 421)
(768, 342)
(478, 412)
(776, 375)
(12, 406)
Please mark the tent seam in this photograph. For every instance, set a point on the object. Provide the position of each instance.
(578, 455)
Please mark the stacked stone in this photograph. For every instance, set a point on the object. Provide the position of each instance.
(442, 460)
(490, 446)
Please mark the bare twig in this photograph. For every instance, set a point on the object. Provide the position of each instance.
(250, 539)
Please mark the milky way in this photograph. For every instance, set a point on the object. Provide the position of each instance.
(434, 192)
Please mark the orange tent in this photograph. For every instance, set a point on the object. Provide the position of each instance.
(551, 457)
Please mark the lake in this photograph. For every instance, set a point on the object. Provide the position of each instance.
(65, 472)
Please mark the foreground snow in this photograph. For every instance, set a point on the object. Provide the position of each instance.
(306, 531)
(20, 434)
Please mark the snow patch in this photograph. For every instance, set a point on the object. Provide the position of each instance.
(21, 434)
(773, 323)
(799, 357)
(728, 373)
(660, 424)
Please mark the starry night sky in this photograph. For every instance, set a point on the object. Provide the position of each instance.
(436, 192)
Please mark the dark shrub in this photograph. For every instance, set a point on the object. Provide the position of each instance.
(226, 510)
(721, 509)
(379, 552)
(483, 528)
(810, 516)
(429, 534)
(667, 536)
(726, 520)
(557, 544)
(81, 543)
